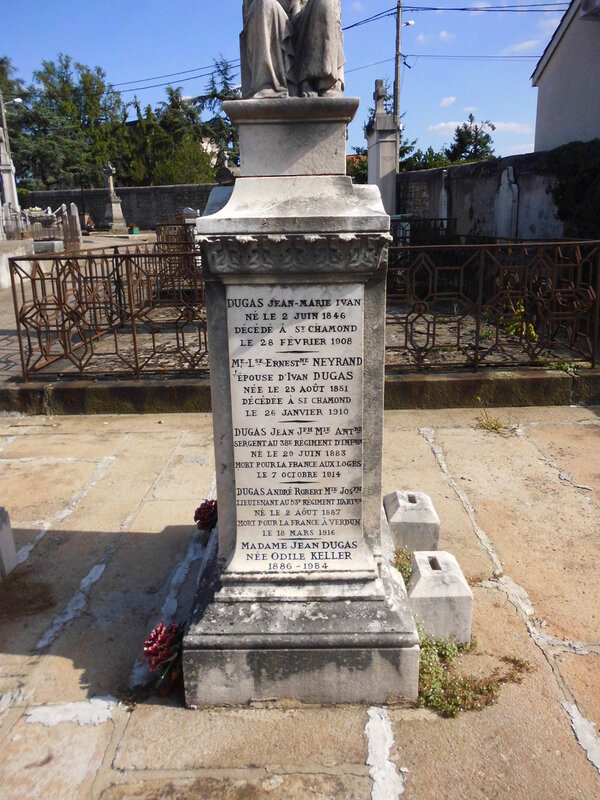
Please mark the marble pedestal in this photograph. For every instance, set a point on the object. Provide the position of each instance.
(295, 268)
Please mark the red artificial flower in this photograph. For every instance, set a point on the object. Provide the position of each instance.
(206, 515)
(157, 647)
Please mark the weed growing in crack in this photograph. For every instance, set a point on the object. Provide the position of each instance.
(488, 423)
(402, 562)
(446, 691)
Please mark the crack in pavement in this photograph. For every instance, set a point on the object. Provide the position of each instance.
(518, 597)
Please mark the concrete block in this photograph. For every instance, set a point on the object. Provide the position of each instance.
(413, 520)
(8, 554)
(49, 246)
(439, 596)
(12, 249)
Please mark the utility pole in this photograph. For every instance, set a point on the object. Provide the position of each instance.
(397, 64)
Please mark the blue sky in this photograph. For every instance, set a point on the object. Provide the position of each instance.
(133, 40)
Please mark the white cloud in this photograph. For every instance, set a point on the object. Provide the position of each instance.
(469, 109)
(446, 37)
(447, 101)
(448, 128)
(477, 6)
(443, 128)
(530, 47)
(513, 127)
(549, 24)
(521, 148)
(357, 6)
(421, 38)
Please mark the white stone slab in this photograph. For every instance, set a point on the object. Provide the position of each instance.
(439, 595)
(296, 374)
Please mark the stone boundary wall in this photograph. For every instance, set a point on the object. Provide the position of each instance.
(484, 199)
(142, 205)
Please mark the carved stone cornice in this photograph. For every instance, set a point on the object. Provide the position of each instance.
(270, 254)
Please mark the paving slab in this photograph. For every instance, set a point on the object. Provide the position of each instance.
(54, 762)
(409, 464)
(162, 737)
(521, 747)
(543, 528)
(273, 787)
(581, 673)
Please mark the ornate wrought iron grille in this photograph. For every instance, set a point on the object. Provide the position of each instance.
(515, 304)
(111, 313)
(448, 307)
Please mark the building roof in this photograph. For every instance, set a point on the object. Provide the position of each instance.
(555, 40)
(585, 9)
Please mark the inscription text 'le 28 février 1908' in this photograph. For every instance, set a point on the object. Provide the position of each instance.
(296, 356)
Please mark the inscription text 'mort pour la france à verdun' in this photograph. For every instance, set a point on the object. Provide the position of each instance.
(296, 387)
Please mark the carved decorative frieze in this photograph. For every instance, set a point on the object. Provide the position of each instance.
(281, 253)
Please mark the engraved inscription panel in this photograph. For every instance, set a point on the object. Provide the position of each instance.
(296, 369)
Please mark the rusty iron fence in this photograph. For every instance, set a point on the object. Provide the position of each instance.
(137, 311)
(496, 305)
(176, 236)
(110, 313)
(423, 231)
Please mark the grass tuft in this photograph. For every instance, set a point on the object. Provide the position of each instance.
(449, 693)
(402, 563)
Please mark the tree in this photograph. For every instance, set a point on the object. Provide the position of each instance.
(357, 165)
(187, 163)
(428, 159)
(218, 129)
(72, 123)
(9, 86)
(471, 142)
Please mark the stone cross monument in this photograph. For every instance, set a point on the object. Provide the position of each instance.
(295, 268)
(114, 213)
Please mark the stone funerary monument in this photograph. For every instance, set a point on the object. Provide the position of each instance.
(295, 268)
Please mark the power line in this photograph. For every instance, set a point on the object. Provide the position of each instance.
(538, 8)
(442, 57)
(168, 83)
(210, 67)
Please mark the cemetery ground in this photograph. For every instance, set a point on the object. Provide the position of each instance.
(102, 511)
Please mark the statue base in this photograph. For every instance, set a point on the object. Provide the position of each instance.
(293, 135)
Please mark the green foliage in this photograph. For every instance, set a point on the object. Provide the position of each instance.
(564, 366)
(449, 693)
(357, 165)
(187, 163)
(402, 563)
(428, 159)
(67, 128)
(10, 86)
(471, 142)
(217, 129)
(72, 123)
(576, 192)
